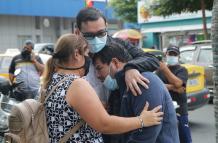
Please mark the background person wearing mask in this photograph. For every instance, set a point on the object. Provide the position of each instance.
(109, 64)
(175, 77)
(92, 25)
(31, 67)
(74, 99)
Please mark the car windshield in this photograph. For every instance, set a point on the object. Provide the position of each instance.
(5, 62)
(186, 56)
(205, 55)
(37, 48)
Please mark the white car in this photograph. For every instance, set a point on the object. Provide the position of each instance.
(44, 48)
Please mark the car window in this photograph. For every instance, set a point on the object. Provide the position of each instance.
(205, 56)
(48, 49)
(44, 48)
(186, 56)
(37, 48)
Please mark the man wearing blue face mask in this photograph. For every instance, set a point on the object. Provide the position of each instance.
(175, 78)
(92, 25)
(109, 64)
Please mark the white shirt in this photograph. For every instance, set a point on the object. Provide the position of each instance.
(100, 89)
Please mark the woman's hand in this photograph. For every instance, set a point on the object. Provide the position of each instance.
(152, 117)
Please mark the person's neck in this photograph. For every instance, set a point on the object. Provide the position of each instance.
(78, 72)
(63, 71)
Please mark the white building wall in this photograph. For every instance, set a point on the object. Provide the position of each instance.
(14, 30)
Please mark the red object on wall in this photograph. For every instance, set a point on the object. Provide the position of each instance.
(89, 3)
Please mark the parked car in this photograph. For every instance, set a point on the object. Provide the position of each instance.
(5, 60)
(198, 95)
(44, 48)
(200, 53)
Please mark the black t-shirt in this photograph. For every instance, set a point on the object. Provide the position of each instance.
(181, 99)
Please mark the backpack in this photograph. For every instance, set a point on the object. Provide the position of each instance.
(27, 121)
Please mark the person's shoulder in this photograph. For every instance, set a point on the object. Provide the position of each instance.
(153, 78)
(182, 68)
(17, 57)
(149, 75)
(80, 83)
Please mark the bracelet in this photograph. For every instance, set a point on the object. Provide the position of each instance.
(142, 123)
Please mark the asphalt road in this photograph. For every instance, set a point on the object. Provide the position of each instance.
(202, 123)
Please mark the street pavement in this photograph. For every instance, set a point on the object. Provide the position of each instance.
(202, 123)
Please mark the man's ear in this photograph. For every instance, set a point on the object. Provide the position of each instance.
(77, 31)
(116, 62)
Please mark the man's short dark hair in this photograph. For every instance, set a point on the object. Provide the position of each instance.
(112, 51)
(88, 14)
(29, 42)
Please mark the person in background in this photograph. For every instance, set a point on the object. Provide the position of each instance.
(92, 25)
(109, 64)
(74, 99)
(30, 68)
(175, 78)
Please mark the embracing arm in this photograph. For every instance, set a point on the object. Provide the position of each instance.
(84, 100)
(141, 61)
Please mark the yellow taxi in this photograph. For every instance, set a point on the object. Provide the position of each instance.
(197, 93)
(5, 61)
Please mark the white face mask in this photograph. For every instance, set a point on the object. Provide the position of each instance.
(97, 44)
(172, 60)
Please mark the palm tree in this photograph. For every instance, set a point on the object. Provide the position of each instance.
(214, 30)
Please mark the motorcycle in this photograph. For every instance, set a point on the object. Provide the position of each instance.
(6, 103)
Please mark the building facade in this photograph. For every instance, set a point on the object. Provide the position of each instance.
(43, 21)
(178, 30)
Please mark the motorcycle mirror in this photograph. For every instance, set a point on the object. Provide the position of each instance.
(17, 71)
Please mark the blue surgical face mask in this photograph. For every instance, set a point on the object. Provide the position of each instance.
(97, 44)
(172, 60)
(110, 83)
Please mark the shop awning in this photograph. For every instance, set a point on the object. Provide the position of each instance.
(174, 28)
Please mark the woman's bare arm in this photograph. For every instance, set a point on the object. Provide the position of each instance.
(82, 97)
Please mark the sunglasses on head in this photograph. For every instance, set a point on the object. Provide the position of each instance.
(91, 36)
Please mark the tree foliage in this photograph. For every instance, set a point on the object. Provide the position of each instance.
(168, 7)
(125, 9)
